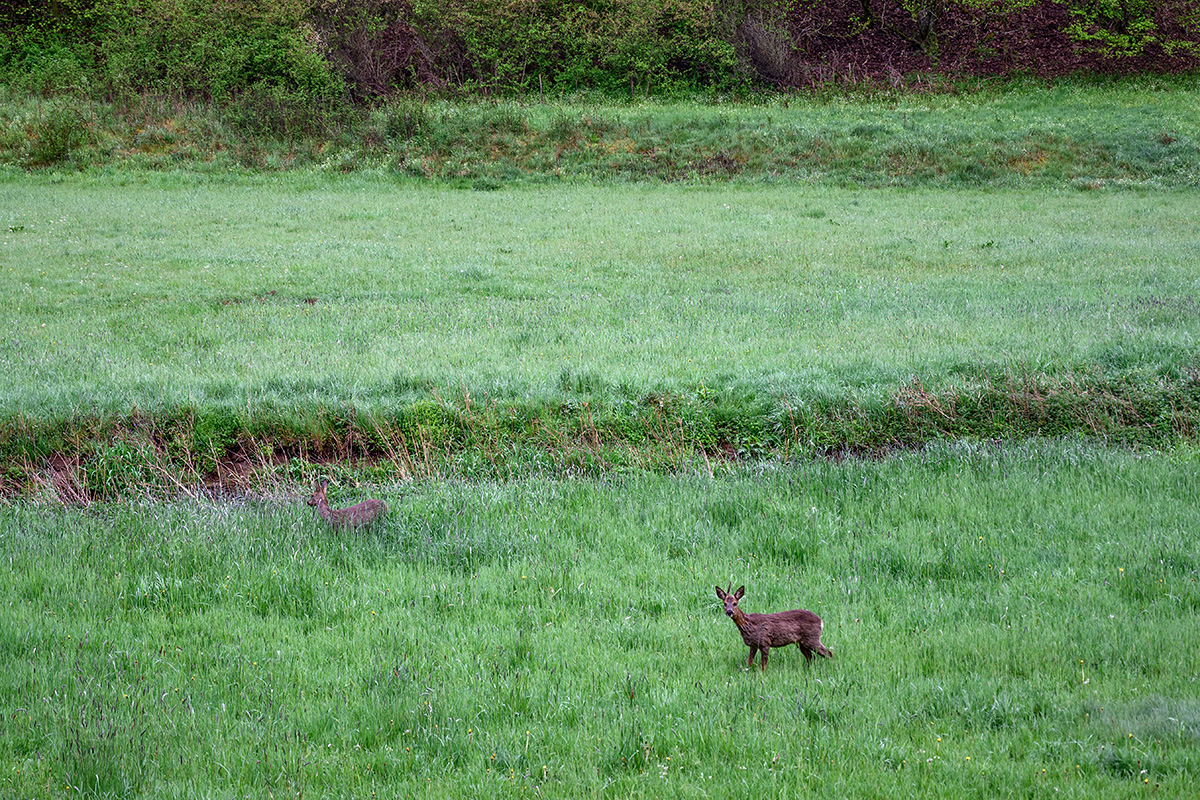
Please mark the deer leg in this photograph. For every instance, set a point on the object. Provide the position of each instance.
(762, 662)
(807, 654)
(750, 661)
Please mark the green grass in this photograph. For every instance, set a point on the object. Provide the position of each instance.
(144, 292)
(196, 317)
(1004, 620)
(587, 400)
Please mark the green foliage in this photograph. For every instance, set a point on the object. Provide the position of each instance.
(55, 131)
(1079, 133)
(171, 46)
(219, 50)
(45, 67)
(403, 119)
(121, 468)
(527, 46)
(208, 437)
(61, 19)
(1119, 28)
(43, 45)
(307, 53)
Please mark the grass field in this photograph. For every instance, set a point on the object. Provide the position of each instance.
(164, 291)
(765, 318)
(1005, 621)
(956, 416)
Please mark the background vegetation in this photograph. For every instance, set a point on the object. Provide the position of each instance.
(1077, 133)
(313, 52)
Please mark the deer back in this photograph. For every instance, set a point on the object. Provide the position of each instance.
(357, 515)
(354, 516)
(788, 627)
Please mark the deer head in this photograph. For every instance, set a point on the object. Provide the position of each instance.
(730, 599)
(319, 492)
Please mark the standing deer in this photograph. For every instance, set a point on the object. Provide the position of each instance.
(764, 631)
(355, 516)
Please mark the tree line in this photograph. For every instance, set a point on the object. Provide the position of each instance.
(326, 50)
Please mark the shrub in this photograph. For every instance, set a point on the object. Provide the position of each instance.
(53, 135)
(219, 50)
(263, 54)
(527, 45)
(1126, 28)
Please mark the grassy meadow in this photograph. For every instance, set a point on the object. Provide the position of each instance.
(1016, 620)
(424, 325)
(952, 411)
(300, 290)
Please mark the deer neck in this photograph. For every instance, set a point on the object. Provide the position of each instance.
(740, 619)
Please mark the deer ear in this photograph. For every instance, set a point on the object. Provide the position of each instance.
(740, 593)
(720, 592)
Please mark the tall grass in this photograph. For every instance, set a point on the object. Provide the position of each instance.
(1003, 619)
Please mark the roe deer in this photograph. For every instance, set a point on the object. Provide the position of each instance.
(355, 516)
(764, 631)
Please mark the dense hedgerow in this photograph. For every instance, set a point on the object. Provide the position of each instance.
(316, 51)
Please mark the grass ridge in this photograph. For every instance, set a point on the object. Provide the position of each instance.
(85, 458)
(1070, 132)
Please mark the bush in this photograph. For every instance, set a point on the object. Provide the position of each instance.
(1126, 28)
(527, 45)
(263, 54)
(45, 68)
(53, 135)
(218, 50)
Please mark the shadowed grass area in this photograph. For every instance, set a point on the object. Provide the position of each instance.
(1000, 617)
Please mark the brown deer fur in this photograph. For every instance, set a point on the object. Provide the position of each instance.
(761, 632)
(354, 516)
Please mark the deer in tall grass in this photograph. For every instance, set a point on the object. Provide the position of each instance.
(761, 632)
(355, 516)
